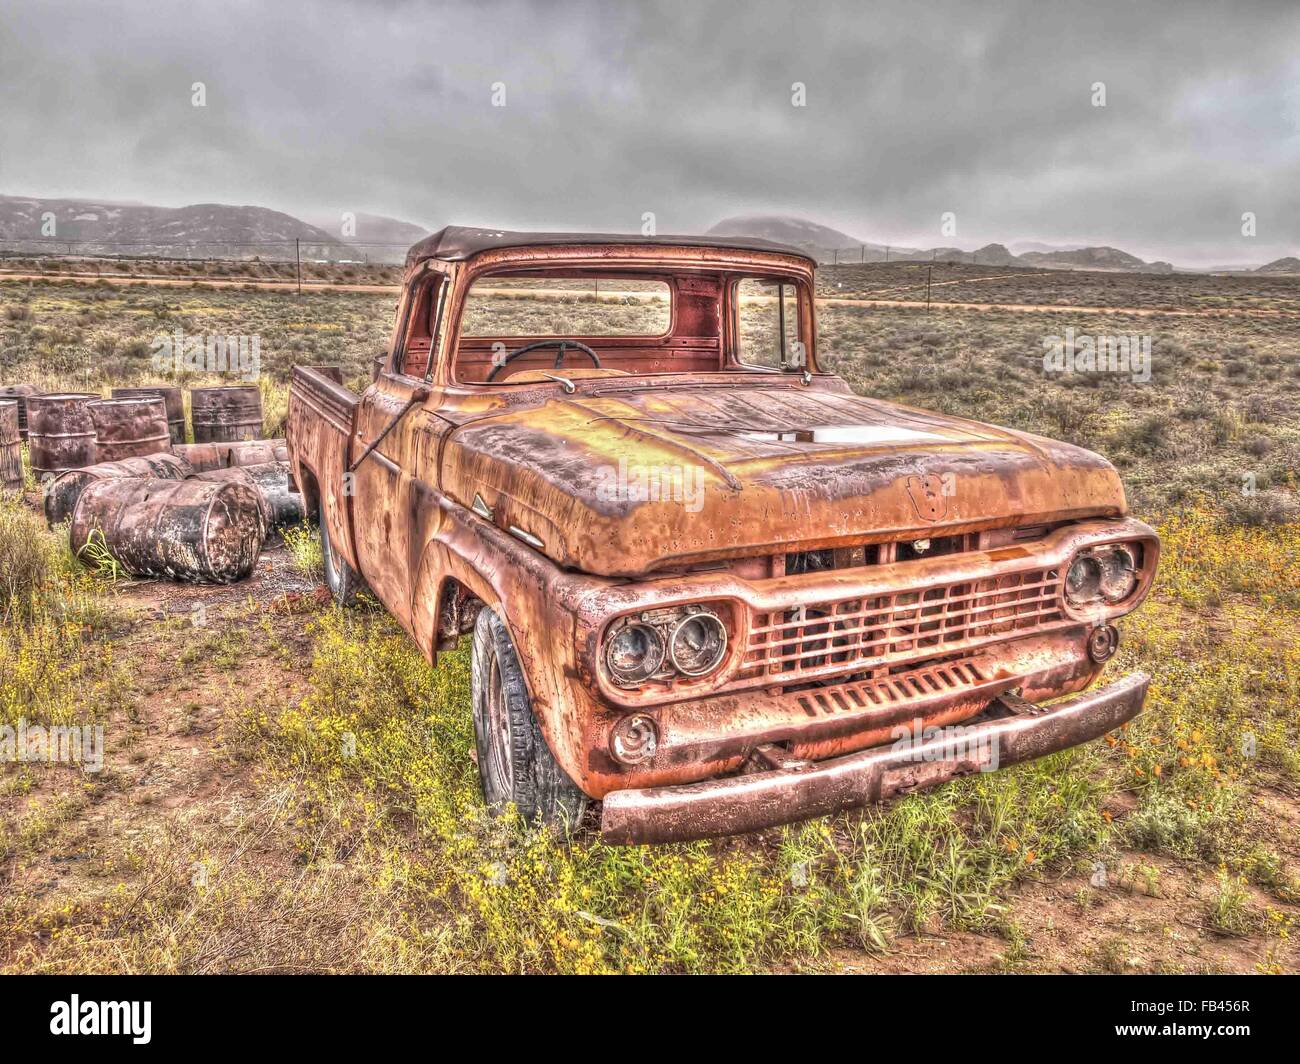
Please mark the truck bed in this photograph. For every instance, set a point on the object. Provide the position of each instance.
(322, 413)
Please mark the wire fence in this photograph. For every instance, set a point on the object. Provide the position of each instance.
(857, 254)
(282, 251)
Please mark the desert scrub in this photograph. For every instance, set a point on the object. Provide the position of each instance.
(56, 667)
(28, 560)
(1207, 559)
(303, 543)
(1225, 682)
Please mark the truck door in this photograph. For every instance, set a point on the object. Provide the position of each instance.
(388, 483)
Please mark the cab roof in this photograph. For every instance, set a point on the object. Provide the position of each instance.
(456, 243)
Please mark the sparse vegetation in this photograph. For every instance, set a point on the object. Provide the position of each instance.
(289, 788)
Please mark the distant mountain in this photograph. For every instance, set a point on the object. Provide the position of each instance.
(1290, 264)
(787, 229)
(215, 229)
(831, 245)
(1098, 258)
(1022, 246)
(372, 229)
(996, 255)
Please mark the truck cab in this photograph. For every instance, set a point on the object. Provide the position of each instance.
(706, 583)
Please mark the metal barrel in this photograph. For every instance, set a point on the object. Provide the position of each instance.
(173, 398)
(192, 530)
(11, 447)
(19, 393)
(60, 432)
(208, 456)
(222, 415)
(271, 479)
(62, 494)
(129, 428)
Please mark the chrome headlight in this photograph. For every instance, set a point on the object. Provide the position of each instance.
(1101, 574)
(687, 641)
(697, 644)
(634, 654)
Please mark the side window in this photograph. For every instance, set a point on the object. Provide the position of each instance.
(767, 324)
(422, 328)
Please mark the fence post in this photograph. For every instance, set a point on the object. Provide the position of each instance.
(297, 258)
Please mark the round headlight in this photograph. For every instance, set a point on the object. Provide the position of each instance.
(697, 644)
(1083, 580)
(634, 654)
(1118, 573)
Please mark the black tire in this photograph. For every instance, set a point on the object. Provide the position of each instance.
(514, 762)
(343, 581)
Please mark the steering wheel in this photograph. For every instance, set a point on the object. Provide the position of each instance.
(563, 345)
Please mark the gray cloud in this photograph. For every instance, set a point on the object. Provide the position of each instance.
(682, 109)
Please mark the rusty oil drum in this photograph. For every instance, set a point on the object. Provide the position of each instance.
(222, 415)
(173, 399)
(205, 457)
(60, 432)
(11, 447)
(271, 479)
(129, 428)
(19, 393)
(61, 496)
(192, 530)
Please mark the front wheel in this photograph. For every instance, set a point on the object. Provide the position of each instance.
(343, 581)
(515, 765)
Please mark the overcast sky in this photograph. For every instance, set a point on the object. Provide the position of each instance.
(683, 109)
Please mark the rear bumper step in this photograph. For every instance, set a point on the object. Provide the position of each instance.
(1009, 732)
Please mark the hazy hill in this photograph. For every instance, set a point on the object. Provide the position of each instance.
(788, 229)
(1103, 258)
(1022, 246)
(140, 229)
(1290, 264)
(373, 229)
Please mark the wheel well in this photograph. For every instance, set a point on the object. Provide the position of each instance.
(458, 609)
(310, 489)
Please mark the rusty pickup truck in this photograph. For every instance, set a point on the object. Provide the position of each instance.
(705, 582)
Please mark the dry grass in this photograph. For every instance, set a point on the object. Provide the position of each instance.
(290, 790)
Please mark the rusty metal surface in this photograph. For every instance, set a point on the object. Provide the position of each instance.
(62, 493)
(189, 530)
(172, 397)
(129, 427)
(60, 432)
(455, 243)
(281, 507)
(766, 482)
(491, 495)
(226, 414)
(208, 456)
(11, 447)
(747, 803)
(19, 393)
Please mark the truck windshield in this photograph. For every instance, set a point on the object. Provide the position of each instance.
(529, 327)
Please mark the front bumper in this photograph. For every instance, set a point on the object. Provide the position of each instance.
(1008, 732)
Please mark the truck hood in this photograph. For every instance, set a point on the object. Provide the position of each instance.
(624, 482)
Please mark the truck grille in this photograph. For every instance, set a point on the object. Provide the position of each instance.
(896, 689)
(858, 633)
